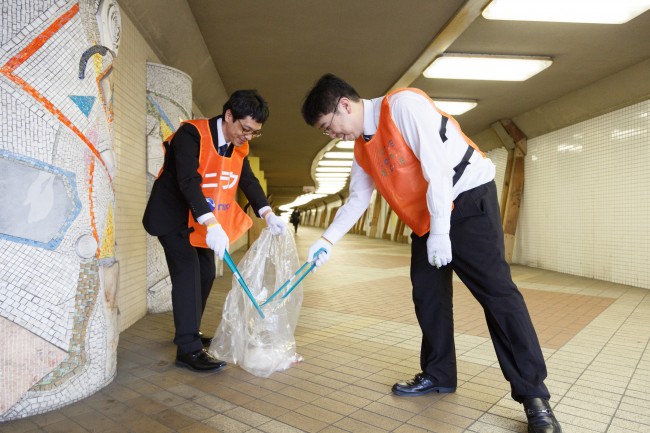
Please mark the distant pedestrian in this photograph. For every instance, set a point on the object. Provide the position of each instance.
(295, 220)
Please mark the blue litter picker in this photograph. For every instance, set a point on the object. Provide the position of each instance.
(241, 281)
(291, 283)
(297, 277)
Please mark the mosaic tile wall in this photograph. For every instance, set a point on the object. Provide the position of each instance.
(169, 102)
(58, 270)
(586, 199)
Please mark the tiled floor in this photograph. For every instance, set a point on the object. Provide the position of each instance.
(358, 335)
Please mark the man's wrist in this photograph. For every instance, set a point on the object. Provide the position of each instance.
(265, 211)
(211, 223)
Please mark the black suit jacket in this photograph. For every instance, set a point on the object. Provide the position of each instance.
(178, 189)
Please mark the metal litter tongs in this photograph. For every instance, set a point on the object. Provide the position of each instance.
(239, 278)
(298, 276)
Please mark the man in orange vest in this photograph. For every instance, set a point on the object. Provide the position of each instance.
(193, 211)
(442, 186)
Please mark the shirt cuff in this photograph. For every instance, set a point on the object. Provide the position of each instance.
(439, 226)
(263, 210)
(203, 218)
(333, 235)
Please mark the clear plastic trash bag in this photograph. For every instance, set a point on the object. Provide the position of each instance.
(261, 346)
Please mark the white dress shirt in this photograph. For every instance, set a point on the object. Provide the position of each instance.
(419, 123)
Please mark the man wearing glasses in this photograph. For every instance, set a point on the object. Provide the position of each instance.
(442, 186)
(194, 213)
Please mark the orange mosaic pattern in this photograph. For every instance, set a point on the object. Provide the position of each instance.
(26, 53)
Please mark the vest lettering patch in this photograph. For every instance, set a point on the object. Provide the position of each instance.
(228, 180)
(219, 179)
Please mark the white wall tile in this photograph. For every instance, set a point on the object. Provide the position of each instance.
(586, 199)
(130, 183)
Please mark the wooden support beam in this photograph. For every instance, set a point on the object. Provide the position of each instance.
(503, 135)
(312, 216)
(505, 188)
(464, 17)
(385, 234)
(321, 223)
(513, 184)
(517, 135)
(516, 191)
(402, 237)
(375, 216)
(358, 226)
(397, 233)
(332, 215)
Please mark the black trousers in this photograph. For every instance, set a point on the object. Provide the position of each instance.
(479, 261)
(192, 272)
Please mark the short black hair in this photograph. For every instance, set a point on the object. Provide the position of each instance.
(322, 98)
(243, 103)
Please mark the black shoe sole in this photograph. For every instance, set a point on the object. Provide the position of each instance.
(438, 389)
(208, 370)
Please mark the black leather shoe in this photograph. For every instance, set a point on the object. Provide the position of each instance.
(540, 416)
(421, 384)
(199, 361)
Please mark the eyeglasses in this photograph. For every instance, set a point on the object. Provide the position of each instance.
(247, 131)
(327, 130)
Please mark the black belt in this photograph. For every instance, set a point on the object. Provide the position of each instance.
(460, 167)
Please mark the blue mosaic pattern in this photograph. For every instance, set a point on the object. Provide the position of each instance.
(12, 217)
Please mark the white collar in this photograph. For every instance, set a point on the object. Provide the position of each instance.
(221, 140)
(370, 115)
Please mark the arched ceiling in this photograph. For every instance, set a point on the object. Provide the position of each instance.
(282, 47)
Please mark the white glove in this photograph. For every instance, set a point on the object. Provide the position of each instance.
(217, 240)
(439, 250)
(324, 256)
(275, 224)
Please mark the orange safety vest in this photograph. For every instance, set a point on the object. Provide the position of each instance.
(395, 169)
(220, 177)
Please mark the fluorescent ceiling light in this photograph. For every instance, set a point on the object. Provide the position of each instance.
(301, 200)
(345, 145)
(330, 186)
(331, 175)
(331, 181)
(333, 169)
(486, 67)
(339, 155)
(454, 107)
(324, 163)
(567, 11)
(322, 186)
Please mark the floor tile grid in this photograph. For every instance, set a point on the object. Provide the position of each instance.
(177, 401)
(571, 290)
(414, 356)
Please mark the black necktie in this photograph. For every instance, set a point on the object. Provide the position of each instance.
(368, 137)
(222, 149)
